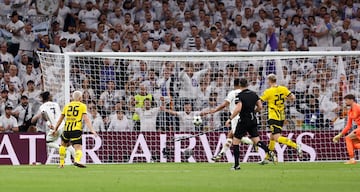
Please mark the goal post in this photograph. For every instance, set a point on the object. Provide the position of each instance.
(137, 101)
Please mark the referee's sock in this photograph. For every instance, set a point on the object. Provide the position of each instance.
(236, 155)
(262, 145)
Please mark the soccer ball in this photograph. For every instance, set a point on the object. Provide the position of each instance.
(197, 120)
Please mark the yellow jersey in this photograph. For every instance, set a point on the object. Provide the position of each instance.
(73, 113)
(275, 97)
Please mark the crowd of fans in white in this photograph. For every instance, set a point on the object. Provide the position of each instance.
(127, 95)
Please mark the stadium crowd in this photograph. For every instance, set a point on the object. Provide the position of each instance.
(125, 96)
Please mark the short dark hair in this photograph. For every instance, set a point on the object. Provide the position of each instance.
(236, 82)
(350, 96)
(243, 82)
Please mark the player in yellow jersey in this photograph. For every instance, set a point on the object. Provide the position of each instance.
(276, 96)
(73, 113)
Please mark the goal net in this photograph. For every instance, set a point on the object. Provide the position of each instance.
(143, 104)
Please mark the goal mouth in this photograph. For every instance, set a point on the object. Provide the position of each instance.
(117, 85)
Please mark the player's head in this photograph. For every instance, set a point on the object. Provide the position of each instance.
(236, 83)
(243, 82)
(349, 99)
(77, 96)
(271, 78)
(45, 96)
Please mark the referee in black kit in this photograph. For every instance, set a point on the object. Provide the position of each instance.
(247, 104)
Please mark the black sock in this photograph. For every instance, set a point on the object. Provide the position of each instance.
(236, 154)
(263, 146)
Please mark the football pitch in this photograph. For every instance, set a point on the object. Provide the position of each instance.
(184, 177)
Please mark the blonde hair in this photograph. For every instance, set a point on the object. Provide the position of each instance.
(272, 78)
(77, 95)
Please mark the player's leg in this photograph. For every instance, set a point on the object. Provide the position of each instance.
(246, 140)
(276, 128)
(351, 141)
(62, 150)
(229, 140)
(225, 147)
(236, 152)
(77, 144)
(51, 139)
(70, 152)
(254, 134)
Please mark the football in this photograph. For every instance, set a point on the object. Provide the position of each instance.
(197, 120)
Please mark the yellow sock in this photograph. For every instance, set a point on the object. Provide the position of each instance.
(272, 145)
(78, 155)
(62, 152)
(286, 141)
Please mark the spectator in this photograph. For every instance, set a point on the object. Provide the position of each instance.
(108, 98)
(89, 15)
(4, 99)
(307, 40)
(13, 95)
(14, 78)
(8, 123)
(14, 27)
(147, 116)
(189, 80)
(212, 121)
(32, 93)
(243, 41)
(343, 41)
(24, 113)
(254, 45)
(354, 45)
(27, 40)
(139, 103)
(6, 56)
(313, 118)
(324, 32)
(119, 122)
(186, 117)
(95, 118)
(189, 42)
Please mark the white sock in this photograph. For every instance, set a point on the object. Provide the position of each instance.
(246, 140)
(226, 146)
(71, 150)
(53, 145)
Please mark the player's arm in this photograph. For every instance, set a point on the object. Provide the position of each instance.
(259, 106)
(88, 124)
(234, 114)
(220, 107)
(61, 118)
(344, 131)
(35, 118)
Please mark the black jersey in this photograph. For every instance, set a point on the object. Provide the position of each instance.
(248, 99)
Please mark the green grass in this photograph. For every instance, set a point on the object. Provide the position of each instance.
(184, 177)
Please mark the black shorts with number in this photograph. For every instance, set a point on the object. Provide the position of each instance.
(275, 126)
(246, 125)
(74, 136)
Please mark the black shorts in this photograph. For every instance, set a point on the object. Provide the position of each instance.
(74, 136)
(275, 126)
(245, 126)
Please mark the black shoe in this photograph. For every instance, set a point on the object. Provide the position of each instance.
(235, 168)
(79, 165)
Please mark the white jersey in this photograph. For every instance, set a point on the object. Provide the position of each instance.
(53, 112)
(231, 99)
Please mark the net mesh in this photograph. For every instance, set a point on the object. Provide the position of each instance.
(138, 103)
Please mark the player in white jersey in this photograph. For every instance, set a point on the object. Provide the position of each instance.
(46, 118)
(230, 101)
